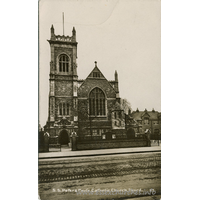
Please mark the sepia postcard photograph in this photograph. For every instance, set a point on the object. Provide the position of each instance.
(82, 85)
(99, 128)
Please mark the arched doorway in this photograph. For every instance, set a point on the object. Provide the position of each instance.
(131, 133)
(63, 137)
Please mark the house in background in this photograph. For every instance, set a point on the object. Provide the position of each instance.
(148, 120)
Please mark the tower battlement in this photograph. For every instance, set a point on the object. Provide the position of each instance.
(63, 38)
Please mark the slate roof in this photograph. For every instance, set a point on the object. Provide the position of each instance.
(153, 115)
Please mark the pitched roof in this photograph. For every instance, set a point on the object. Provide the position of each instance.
(97, 75)
(96, 70)
(153, 115)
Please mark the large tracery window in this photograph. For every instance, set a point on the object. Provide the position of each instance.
(64, 63)
(97, 102)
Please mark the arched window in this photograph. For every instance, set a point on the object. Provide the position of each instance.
(60, 109)
(64, 63)
(63, 109)
(67, 109)
(97, 102)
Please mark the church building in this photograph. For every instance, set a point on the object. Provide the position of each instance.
(89, 107)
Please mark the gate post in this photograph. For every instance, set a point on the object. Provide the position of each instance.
(148, 140)
(74, 141)
(147, 134)
(46, 142)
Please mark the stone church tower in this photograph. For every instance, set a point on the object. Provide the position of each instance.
(63, 78)
(90, 107)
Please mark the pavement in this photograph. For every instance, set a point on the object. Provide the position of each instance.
(67, 152)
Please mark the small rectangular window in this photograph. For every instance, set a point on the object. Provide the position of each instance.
(63, 108)
(67, 109)
(156, 131)
(60, 67)
(67, 67)
(146, 120)
(100, 131)
(60, 109)
(96, 74)
(113, 136)
(94, 132)
(120, 114)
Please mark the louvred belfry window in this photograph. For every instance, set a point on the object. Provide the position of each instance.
(64, 63)
(97, 102)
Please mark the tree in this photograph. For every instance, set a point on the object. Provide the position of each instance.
(126, 105)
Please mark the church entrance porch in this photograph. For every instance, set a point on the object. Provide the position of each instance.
(64, 139)
(130, 133)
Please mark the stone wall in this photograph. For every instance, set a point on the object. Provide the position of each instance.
(103, 84)
(109, 144)
(63, 88)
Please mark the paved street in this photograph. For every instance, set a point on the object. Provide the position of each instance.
(75, 177)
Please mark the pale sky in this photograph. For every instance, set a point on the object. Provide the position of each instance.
(122, 35)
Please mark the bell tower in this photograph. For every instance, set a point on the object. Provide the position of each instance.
(62, 83)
